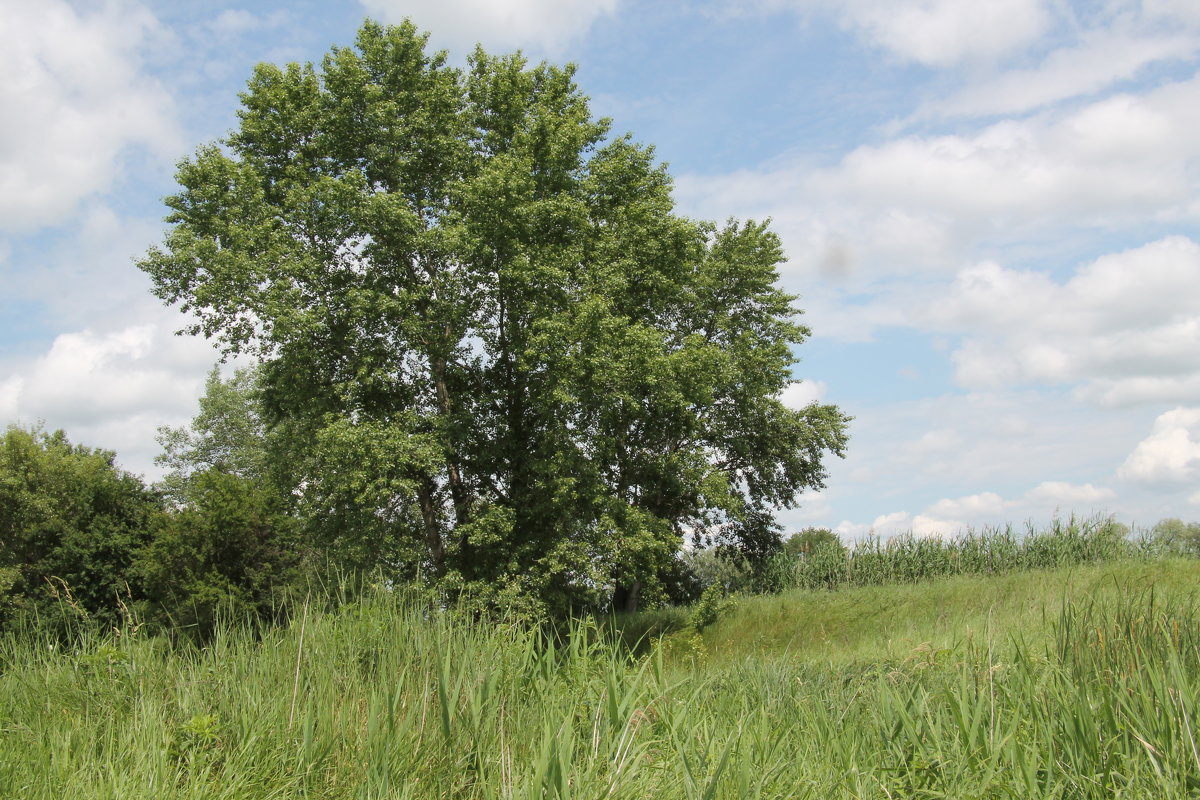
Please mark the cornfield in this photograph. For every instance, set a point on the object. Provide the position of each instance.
(907, 559)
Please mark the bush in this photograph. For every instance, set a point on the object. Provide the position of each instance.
(231, 550)
(71, 526)
(711, 606)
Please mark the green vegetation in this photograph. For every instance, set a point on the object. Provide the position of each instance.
(499, 375)
(71, 526)
(492, 357)
(817, 559)
(828, 564)
(1076, 683)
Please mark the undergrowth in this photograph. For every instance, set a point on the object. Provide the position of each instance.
(385, 698)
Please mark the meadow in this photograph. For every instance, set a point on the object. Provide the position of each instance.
(1076, 681)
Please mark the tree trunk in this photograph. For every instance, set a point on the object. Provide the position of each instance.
(434, 545)
(625, 598)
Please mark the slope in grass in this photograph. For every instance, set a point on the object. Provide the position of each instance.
(875, 623)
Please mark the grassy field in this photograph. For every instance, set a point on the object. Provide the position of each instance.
(1079, 682)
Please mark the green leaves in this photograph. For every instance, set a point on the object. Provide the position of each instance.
(494, 343)
(71, 525)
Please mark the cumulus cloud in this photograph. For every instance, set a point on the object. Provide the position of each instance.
(938, 442)
(1121, 154)
(234, 22)
(75, 100)
(941, 33)
(83, 277)
(985, 504)
(545, 24)
(1169, 458)
(1087, 49)
(989, 440)
(927, 527)
(802, 393)
(1061, 494)
(922, 205)
(1173, 11)
(953, 516)
(10, 391)
(811, 506)
(884, 526)
(899, 523)
(1126, 326)
(111, 389)
(936, 33)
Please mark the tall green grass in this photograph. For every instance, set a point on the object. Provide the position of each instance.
(907, 559)
(878, 622)
(384, 698)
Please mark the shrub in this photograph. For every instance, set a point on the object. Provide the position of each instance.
(71, 526)
(231, 550)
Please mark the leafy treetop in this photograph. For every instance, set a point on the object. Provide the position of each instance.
(500, 356)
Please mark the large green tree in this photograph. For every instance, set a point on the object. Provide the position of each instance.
(501, 356)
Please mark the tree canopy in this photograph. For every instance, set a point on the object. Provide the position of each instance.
(502, 360)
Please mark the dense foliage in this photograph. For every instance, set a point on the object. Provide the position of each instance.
(85, 545)
(71, 525)
(499, 359)
(232, 550)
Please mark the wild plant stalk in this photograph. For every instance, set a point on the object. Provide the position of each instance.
(396, 700)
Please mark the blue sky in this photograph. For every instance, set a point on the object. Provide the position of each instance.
(991, 213)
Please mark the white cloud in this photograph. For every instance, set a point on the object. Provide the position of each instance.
(802, 393)
(884, 526)
(234, 22)
(74, 101)
(10, 391)
(952, 516)
(812, 506)
(499, 24)
(84, 277)
(985, 458)
(985, 504)
(1135, 391)
(925, 526)
(111, 389)
(1170, 456)
(925, 204)
(899, 523)
(1173, 11)
(942, 441)
(937, 33)
(1115, 155)
(1060, 494)
(1126, 326)
(1101, 58)
(941, 33)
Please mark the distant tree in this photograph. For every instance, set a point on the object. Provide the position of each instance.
(809, 539)
(1178, 535)
(232, 543)
(71, 526)
(711, 565)
(504, 362)
(227, 435)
